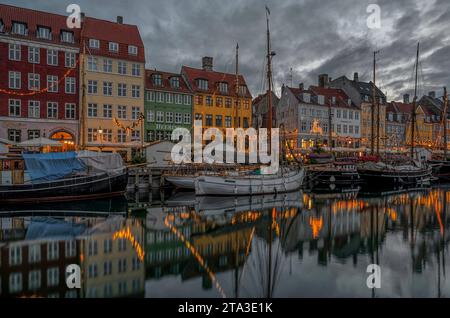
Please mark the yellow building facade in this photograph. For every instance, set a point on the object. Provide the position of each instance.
(112, 74)
(366, 125)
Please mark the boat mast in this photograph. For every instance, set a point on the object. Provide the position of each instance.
(237, 88)
(413, 121)
(444, 115)
(372, 142)
(269, 77)
(82, 111)
(330, 132)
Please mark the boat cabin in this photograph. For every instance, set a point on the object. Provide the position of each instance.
(12, 170)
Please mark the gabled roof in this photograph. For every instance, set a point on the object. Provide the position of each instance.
(263, 97)
(107, 31)
(214, 78)
(341, 98)
(166, 82)
(33, 19)
(364, 88)
(397, 107)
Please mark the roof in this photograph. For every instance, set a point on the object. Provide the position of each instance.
(107, 31)
(397, 107)
(33, 19)
(328, 93)
(214, 78)
(184, 88)
(262, 97)
(364, 88)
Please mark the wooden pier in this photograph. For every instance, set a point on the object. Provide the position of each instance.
(145, 178)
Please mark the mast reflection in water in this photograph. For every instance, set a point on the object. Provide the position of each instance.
(290, 245)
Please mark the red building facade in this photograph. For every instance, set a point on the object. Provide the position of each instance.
(39, 86)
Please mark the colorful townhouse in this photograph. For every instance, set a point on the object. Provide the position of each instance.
(112, 93)
(398, 120)
(221, 100)
(305, 115)
(39, 86)
(361, 94)
(168, 104)
(260, 111)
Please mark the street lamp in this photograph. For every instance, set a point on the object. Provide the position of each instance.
(100, 133)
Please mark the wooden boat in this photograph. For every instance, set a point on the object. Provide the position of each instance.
(333, 176)
(62, 177)
(286, 180)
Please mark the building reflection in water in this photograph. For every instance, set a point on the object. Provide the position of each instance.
(264, 246)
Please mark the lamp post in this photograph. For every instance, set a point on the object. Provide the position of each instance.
(100, 133)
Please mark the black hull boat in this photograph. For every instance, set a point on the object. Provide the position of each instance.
(441, 169)
(78, 188)
(334, 177)
(395, 177)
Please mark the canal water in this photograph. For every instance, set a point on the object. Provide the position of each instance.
(292, 245)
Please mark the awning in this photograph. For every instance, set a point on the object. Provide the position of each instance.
(40, 142)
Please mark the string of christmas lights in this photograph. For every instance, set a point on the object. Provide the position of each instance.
(129, 129)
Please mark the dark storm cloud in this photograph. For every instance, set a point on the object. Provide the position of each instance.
(309, 36)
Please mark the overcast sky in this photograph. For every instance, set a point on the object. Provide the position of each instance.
(309, 36)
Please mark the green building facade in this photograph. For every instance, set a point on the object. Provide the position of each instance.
(168, 104)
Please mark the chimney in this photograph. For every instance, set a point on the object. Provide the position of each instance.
(406, 98)
(120, 19)
(301, 86)
(207, 63)
(355, 77)
(432, 94)
(323, 80)
(82, 16)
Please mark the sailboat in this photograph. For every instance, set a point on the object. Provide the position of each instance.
(286, 179)
(383, 174)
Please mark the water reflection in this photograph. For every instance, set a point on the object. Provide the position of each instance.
(291, 245)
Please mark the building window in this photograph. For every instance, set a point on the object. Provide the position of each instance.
(94, 44)
(70, 111)
(187, 118)
(71, 248)
(136, 135)
(178, 118)
(135, 91)
(107, 245)
(52, 110)
(107, 88)
(178, 99)
(92, 63)
(69, 59)
(246, 125)
(33, 134)
(150, 116)
(67, 36)
(34, 109)
(107, 66)
(52, 251)
(135, 69)
(33, 55)
(52, 57)
(202, 84)
(107, 268)
(92, 134)
(113, 47)
(228, 102)
(160, 97)
(92, 248)
(175, 82)
(187, 100)
(121, 135)
(242, 90)
(150, 96)
(44, 33)
(135, 111)
(92, 271)
(15, 255)
(70, 85)
(14, 80)
(14, 135)
(15, 282)
(223, 87)
(15, 52)
(122, 90)
(132, 50)
(34, 81)
(356, 115)
(199, 100)
(228, 121)
(92, 110)
(92, 87)
(122, 112)
(52, 84)
(246, 104)
(107, 111)
(53, 276)
(209, 101)
(169, 117)
(19, 28)
(122, 68)
(34, 253)
(218, 120)
(159, 117)
(169, 98)
(219, 101)
(122, 265)
(209, 120)
(157, 79)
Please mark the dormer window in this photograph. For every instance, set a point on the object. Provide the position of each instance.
(19, 28)
(44, 33)
(223, 87)
(67, 36)
(157, 79)
(242, 90)
(132, 50)
(113, 47)
(202, 84)
(175, 82)
(94, 43)
(333, 100)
